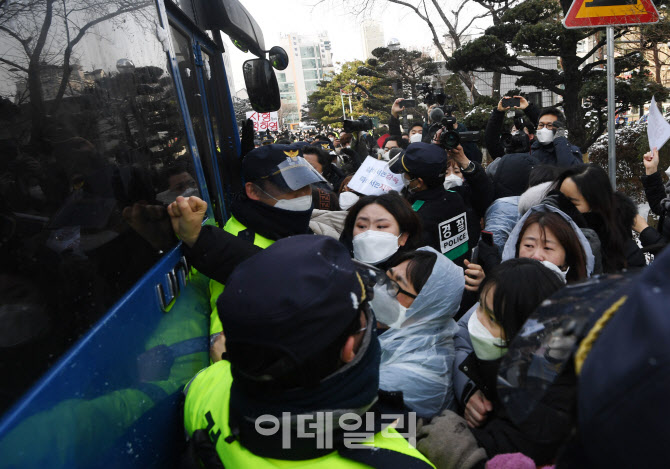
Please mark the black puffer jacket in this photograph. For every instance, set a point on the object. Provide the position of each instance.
(559, 153)
(511, 174)
(655, 192)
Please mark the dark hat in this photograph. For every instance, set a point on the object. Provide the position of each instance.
(325, 145)
(614, 329)
(282, 164)
(295, 297)
(421, 159)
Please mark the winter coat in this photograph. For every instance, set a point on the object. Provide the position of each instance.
(509, 252)
(436, 206)
(558, 153)
(494, 128)
(541, 434)
(533, 196)
(656, 192)
(500, 219)
(463, 386)
(511, 174)
(417, 356)
(478, 191)
(328, 222)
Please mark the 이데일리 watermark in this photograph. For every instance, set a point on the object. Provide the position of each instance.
(356, 429)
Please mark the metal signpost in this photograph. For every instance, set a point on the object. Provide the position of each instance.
(610, 13)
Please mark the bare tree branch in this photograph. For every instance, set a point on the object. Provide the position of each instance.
(13, 64)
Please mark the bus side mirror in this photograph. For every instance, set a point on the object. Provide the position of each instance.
(278, 58)
(262, 87)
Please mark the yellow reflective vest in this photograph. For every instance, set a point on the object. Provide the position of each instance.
(206, 408)
(233, 226)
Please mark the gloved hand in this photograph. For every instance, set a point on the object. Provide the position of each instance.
(448, 443)
(559, 130)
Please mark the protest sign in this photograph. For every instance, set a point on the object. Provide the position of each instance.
(375, 178)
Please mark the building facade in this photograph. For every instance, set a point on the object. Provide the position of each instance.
(483, 81)
(310, 59)
(372, 35)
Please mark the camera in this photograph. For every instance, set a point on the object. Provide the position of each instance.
(361, 124)
(449, 138)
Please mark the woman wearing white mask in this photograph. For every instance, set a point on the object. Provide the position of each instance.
(379, 227)
(418, 304)
(548, 235)
(508, 296)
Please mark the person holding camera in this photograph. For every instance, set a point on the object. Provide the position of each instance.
(551, 145)
(416, 129)
(493, 136)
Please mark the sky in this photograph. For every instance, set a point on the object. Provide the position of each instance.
(300, 16)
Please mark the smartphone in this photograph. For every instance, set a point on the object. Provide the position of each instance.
(474, 255)
(511, 102)
(487, 237)
(408, 103)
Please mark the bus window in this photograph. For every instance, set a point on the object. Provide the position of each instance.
(92, 148)
(189, 78)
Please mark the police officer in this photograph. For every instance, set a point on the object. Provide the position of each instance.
(301, 368)
(442, 212)
(277, 202)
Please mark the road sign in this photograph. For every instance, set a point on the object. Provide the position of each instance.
(593, 13)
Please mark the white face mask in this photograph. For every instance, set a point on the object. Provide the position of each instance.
(486, 346)
(452, 181)
(557, 270)
(387, 309)
(347, 199)
(415, 138)
(299, 204)
(373, 247)
(545, 136)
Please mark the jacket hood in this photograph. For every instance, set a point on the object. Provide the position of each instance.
(417, 357)
(509, 252)
(439, 298)
(533, 196)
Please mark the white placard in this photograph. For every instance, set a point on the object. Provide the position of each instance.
(264, 120)
(375, 178)
(658, 129)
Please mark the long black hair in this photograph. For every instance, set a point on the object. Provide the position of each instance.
(594, 185)
(521, 285)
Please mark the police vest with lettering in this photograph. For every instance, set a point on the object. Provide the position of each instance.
(234, 227)
(206, 408)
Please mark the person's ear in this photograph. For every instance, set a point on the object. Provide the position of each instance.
(347, 353)
(403, 239)
(251, 191)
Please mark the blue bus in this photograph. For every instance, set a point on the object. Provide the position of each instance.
(110, 109)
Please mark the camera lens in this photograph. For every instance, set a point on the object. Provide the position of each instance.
(449, 139)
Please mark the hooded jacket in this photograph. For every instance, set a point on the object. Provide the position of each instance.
(417, 357)
(463, 386)
(509, 252)
(501, 218)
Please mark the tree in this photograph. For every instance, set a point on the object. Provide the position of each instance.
(371, 96)
(534, 28)
(457, 23)
(241, 107)
(44, 33)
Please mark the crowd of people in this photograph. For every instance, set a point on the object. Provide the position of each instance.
(451, 305)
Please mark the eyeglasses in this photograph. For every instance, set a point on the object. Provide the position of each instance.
(548, 126)
(394, 289)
